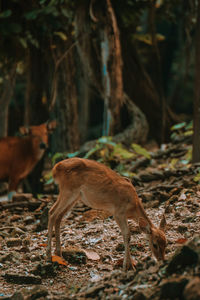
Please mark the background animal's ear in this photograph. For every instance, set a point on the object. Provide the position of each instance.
(163, 223)
(24, 130)
(51, 125)
(144, 226)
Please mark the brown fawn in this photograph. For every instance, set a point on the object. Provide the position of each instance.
(101, 188)
(19, 155)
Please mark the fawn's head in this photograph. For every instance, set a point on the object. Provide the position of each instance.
(157, 239)
(39, 132)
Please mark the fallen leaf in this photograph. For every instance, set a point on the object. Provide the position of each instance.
(181, 241)
(43, 245)
(59, 260)
(91, 254)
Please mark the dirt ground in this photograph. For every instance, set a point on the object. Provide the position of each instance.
(93, 245)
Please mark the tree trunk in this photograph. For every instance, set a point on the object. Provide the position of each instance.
(99, 49)
(36, 106)
(140, 88)
(67, 138)
(158, 70)
(196, 135)
(137, 130)
(7, 91)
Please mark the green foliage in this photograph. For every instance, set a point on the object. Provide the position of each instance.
(181, 129)
(140, 150)
(121, 153)
(5, 14)
(197, 177)
(107, 152)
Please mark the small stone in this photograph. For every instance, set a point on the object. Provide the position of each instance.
(187, 255)
(74, 256)
(45, 270)
(182, 228)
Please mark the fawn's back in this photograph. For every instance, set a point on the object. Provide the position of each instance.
(98, 186)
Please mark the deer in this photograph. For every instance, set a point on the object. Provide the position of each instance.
(101, 188)
(20, 154)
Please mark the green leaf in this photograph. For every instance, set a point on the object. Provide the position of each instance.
(5, 14)
(32, 15)
(188, 155)
(65, 12)
(178, 126)
(70, 155)
(127, 174)
(49, 181)
(61, 35)
(189, 126)
(58, 156)
(92, 151)
(122, 153)
(197, 178)
(106, 140)
(140, 150)
(188, 133)
(23, 42)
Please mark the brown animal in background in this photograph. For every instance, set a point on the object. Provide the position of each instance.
(101, 188)
(19, 155)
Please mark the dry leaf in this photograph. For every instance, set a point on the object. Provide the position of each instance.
(91, 254)
(181, 241)
(43, 245)
(59, 260)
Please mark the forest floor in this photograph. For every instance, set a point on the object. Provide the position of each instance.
(93, 246)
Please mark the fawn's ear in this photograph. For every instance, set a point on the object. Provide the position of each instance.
(163, 223)
(144, 226)
(24, 130)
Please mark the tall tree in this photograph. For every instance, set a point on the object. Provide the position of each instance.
(196, 118)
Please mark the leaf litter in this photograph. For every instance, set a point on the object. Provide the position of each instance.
(93, 245)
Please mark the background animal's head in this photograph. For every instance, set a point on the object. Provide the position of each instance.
(40, 132)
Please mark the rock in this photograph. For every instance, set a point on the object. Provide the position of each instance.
(192, 289)
(45, 270)
(187, 255)
(74, 256)
(22, 279)
(14, 242)
(182, 228)
(173, 288)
